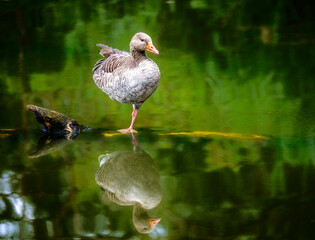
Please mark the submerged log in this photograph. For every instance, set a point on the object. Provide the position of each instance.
(59, 130)
(56, 123)
(48, 144)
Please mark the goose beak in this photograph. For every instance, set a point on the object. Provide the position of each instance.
(150, 48)
(153, 221)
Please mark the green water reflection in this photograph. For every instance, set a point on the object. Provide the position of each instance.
(237, 81)
(212, 187)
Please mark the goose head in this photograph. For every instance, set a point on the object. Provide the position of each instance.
(142, 221)
(141, 42)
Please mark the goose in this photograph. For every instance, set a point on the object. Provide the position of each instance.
(131, 179)
(128, 77)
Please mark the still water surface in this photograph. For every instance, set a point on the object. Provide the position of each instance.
(225, 148)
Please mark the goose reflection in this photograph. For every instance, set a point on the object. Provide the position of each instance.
(130, 178)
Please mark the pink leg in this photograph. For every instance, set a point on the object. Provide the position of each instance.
(130, 129)
(134, 116)
(134, 140)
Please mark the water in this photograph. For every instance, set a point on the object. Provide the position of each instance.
(225, 148)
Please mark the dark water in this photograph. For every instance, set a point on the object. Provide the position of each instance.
(225, 146)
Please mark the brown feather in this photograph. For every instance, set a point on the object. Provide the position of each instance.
(113, 62)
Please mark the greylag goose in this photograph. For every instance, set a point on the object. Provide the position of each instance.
(131, 179)
(129, 78)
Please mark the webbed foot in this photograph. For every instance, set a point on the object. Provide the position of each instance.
(127, 130)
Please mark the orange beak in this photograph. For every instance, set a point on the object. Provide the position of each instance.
(150, 48)
(154, 221)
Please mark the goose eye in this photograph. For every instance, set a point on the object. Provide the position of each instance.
(142, 40)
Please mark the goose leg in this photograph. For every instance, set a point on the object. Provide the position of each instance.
(134, 141)
(134, 116)
(130, 129)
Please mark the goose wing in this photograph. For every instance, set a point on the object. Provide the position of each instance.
(114, 59)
